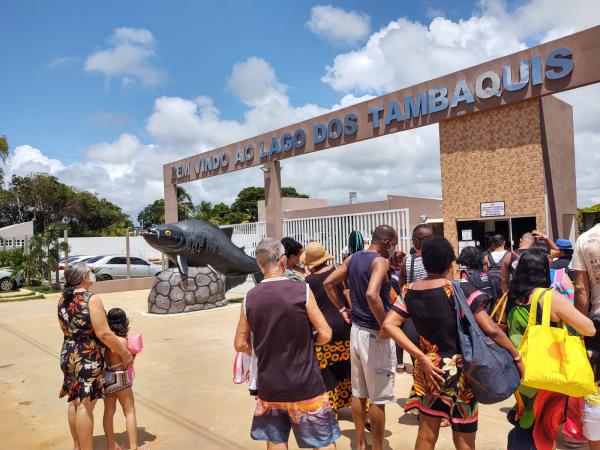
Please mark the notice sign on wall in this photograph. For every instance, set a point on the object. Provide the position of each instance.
(492, 209)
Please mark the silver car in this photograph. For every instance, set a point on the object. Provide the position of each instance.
(7, 282)
(114, 267)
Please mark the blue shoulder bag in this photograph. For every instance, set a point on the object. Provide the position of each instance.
(489, 368)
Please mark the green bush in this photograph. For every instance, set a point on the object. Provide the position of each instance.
(12, 258)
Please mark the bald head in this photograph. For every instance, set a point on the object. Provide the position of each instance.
(527, 240)
(385, 233)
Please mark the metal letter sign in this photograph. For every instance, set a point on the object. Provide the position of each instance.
(555, 66)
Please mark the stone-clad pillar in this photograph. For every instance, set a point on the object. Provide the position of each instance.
(171, 215)
(273, 207)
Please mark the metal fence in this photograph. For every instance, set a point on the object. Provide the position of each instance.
(331, 231)
(248, 235)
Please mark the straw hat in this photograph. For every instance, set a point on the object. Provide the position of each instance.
(314, 255)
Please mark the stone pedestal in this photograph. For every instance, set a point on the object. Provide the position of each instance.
(201, 289)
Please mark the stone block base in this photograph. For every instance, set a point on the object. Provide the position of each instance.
(201, 289)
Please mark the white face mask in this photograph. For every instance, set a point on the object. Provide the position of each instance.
(92, 277)
(391, 250)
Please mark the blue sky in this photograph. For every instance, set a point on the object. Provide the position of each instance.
(53, 107)
(68, 105)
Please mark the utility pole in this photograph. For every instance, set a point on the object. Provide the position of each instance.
(66, 242)
(127, 253)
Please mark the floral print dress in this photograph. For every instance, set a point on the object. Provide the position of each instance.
(434, 316)
(82, 355)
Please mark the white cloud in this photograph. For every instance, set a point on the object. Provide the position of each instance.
(128, 58)
(63, 61)
(133, 36)
(254, 81)
(27, 159)
(404, 53)
(338, 26)
(129, 172)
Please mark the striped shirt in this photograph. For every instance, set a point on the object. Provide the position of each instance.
(419, 271)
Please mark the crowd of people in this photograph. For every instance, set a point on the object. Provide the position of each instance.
(323, 337)
(326, 337)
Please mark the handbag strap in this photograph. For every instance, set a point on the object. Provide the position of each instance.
(462, 304)
(534, 307)
(499, 308)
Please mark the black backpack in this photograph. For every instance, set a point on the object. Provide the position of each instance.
(494, 270)
(481, 280)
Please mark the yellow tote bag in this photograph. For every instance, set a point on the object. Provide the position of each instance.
(554, 360)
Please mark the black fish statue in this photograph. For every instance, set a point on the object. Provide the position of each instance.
(196, 243)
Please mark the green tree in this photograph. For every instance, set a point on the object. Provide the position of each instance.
(3, 154)
(44, 199)
(588, 209)
(185, 206)
(247, 200)
(153, 214)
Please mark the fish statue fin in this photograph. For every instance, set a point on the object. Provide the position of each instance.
(228, 231)
(182, 264)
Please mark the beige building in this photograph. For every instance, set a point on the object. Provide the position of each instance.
(15, 235)
(509, 170)
(419, 209)
(292, 204)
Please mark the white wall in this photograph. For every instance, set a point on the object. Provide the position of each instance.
(111, 246)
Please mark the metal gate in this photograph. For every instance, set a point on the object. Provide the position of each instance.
(331, 231)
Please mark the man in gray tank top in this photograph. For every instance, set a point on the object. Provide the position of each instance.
(281, 315)
(373, 359)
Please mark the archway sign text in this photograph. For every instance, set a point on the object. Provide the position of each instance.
(556, 66)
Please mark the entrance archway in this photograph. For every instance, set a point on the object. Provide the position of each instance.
(498, 112)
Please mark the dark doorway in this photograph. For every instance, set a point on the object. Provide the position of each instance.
(520, 226)
(478, 233)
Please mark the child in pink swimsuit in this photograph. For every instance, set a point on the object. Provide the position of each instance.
(118, 383)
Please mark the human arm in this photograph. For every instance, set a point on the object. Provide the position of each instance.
(317, 319)
(505, 272)
(552, 247)
(391, 327)
(563, 310)
(582, 291)
(100, 325)
(336, 278)
(402, 276)
(379, 270)
(493, 331)
(241, 341)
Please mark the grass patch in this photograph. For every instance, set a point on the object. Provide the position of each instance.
(21, 298)
(235, 300)
(41, 289)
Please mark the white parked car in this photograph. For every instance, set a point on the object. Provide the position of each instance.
(72, 260)
(114, 267)
(7, 281)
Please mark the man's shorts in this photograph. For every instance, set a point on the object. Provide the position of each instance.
(373, 363)
(591, 421)
(313, 421)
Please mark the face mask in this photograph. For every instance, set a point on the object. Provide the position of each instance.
(92, 277)
(391, 250)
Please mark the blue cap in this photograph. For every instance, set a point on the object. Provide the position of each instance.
(564, 244)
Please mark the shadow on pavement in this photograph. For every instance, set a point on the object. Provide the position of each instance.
(143, 437)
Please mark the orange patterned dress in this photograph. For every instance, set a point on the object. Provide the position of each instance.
(434, 316)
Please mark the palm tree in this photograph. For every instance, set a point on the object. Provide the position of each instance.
(3, 154)
(185, 205)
